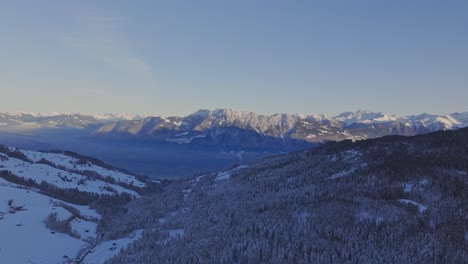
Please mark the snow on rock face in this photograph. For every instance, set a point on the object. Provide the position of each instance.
(462, 118)
(434, 122)
(348, 125)
(223, 126)
(273, 125)
(363, 117)
(208, 118)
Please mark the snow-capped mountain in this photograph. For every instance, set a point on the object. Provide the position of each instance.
(229, 127)
(194, 141)
(205, 123)
(461, 117)
(28, 121)
(49, 206)
(364, 117)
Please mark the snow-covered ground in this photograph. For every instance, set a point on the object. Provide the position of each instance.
(73, 163)
(60, 178)
(108, 249)
(71, 177)
(24, 236)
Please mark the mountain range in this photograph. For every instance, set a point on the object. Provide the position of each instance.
(215, 124)
(171, 146)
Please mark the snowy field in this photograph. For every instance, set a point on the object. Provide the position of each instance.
(24, 236)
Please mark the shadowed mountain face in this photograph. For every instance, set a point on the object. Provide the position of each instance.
(205, 140)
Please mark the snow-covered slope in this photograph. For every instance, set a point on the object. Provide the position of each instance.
(67, 172)
(364, 117)
(24, 236)
(461, 117)
(26, 239)
(434, 122)
(45, 213)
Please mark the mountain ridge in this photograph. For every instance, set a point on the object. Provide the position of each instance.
(211, 126)
(313, 128)
(178, 146)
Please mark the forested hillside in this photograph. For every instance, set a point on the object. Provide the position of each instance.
(388, 200)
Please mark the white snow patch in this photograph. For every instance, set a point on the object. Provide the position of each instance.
(420, 207)
(62, 213)
(182, 134)
(341, 174)
(86, 229)
(184, 140)
(225, 175)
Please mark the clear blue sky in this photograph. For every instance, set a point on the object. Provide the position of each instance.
(174, 57)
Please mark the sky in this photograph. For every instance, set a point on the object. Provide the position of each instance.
(174, 57)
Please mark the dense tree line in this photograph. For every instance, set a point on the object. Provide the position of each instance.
(61, 226)
(73, 196)
(14, 153)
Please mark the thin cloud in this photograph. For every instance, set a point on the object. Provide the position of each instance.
(100, 36)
